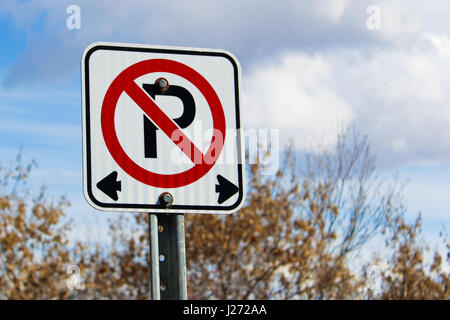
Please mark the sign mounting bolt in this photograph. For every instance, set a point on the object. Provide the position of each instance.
(162, 83)
(166, 199)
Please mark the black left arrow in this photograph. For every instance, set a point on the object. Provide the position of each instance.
(109, 185)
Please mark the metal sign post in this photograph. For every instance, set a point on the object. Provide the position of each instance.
(167, 257)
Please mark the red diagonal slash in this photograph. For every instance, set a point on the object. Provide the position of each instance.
(124, 83)
(169, 127)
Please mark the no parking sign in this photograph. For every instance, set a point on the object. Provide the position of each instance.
(161, 121)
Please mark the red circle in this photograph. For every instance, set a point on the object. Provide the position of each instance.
(116, 89)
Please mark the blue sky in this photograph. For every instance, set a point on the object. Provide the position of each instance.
(391, 82)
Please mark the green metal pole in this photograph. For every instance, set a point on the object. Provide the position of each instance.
(181, 250)
(154, 257)
(168, 257)
(172, 254)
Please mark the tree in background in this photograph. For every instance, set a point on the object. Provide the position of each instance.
(33, 242)
(37, 260)
(294, 239)
(409, 276)
(119, 271)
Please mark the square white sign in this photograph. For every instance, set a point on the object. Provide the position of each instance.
(161, 129)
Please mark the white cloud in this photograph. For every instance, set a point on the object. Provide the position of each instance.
(401, 100)
(51, 130)
(331, 10)
(398, 96)
(249, 29)
(440, 43)
(392, 82)
(397, 19)
(296, 95)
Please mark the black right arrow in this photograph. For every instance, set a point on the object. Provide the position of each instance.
(109, 185)
(225, 188)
